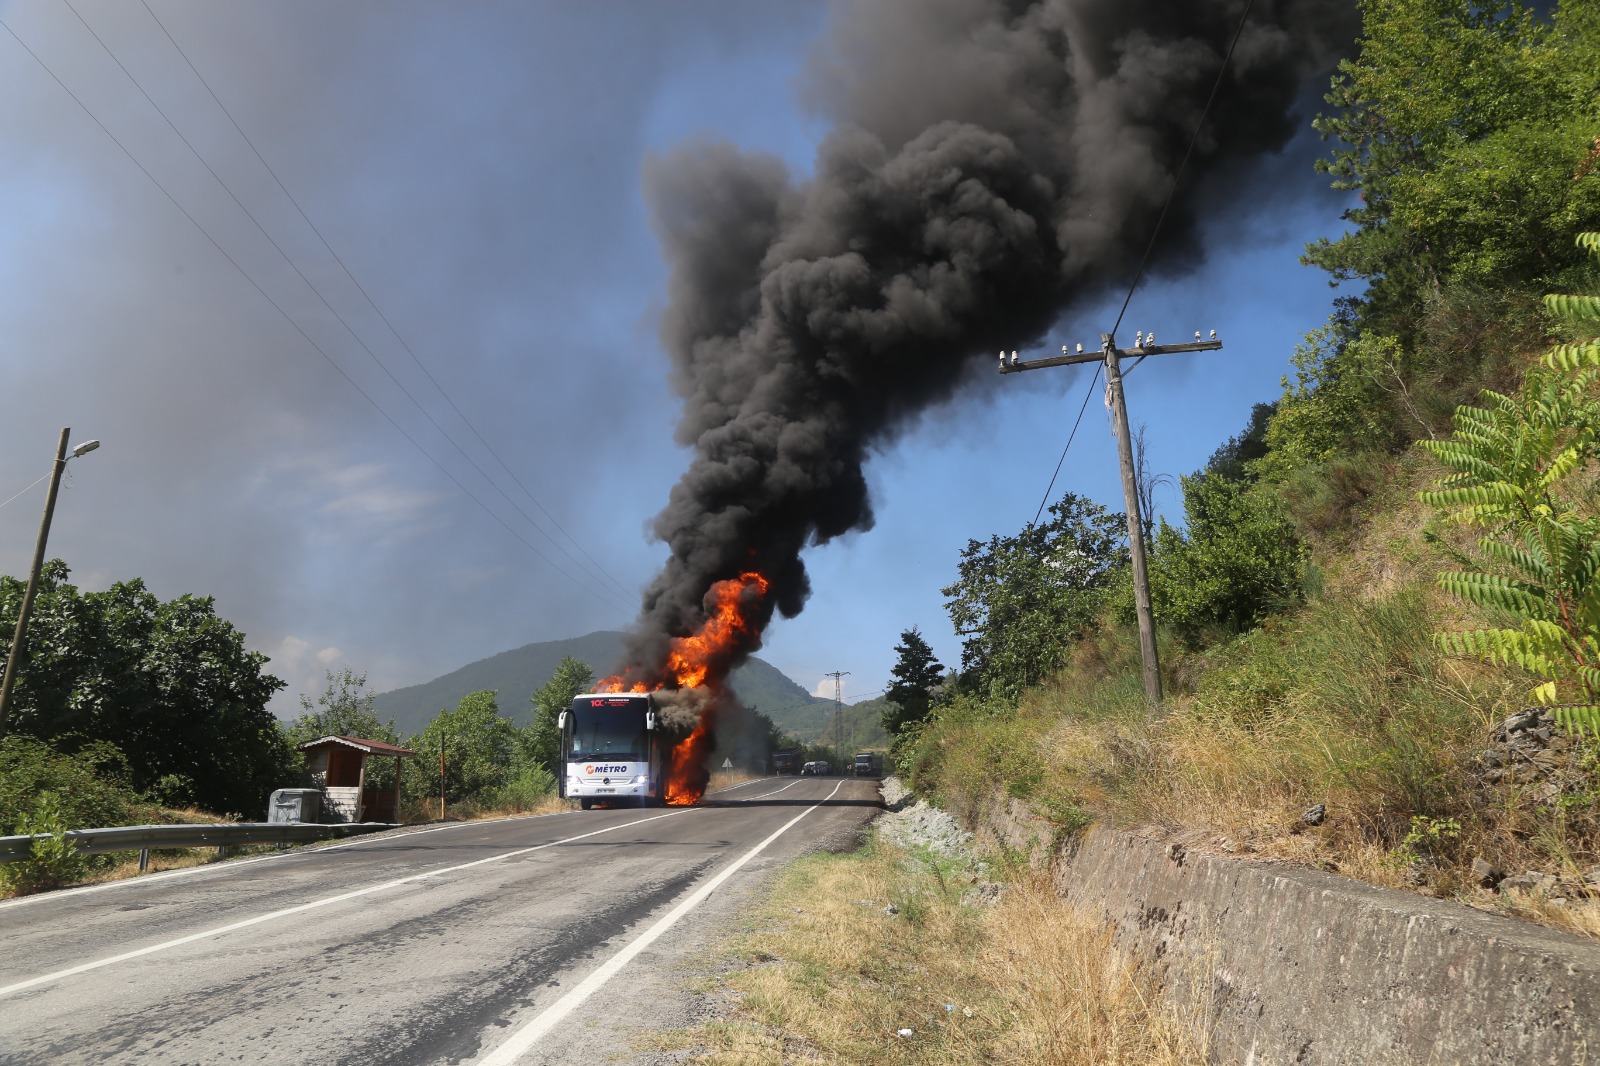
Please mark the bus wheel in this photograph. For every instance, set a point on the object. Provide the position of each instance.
(586, 803)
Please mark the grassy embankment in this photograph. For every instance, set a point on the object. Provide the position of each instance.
(825, 972)
(1347, 702)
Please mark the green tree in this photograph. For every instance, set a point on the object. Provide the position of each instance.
(344, 709)
(167, 683)
(1238, 560)
(479, 750)
(1236, 458)
(1523, 468)
(917, 673)
(1461, 125)
(347, 709)
(541, 740)
(1020, 601)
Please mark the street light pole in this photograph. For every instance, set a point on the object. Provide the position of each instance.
(33, 575)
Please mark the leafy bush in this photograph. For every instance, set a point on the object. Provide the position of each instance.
(1239, 560)
(54, 862)
(525, 790)
(1334, 406)
(89, 784)
(1522, 468)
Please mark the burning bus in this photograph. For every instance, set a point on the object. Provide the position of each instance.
(611, 750)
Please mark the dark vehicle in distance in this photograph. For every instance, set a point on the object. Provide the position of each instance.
(869, 764)
(785, 762)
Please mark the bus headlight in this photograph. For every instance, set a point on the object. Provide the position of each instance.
(642, 779)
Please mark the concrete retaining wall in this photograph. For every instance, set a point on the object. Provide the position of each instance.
(1298, 966)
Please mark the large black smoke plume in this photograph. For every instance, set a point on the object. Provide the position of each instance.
(991, 162)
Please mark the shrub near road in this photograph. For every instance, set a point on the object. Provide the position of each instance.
(895, 956)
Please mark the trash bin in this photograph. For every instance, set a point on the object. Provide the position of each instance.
(294, 805)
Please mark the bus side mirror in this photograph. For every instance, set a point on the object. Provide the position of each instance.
(650, 719)
(561, 721)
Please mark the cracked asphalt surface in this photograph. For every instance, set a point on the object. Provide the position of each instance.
(430, 945)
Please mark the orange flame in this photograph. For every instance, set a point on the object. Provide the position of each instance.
(686, 779)
(688, 665)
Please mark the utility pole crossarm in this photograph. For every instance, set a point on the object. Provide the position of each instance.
(1112, 357)
(1099, 356)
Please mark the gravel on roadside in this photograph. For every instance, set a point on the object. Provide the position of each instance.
(920, 825)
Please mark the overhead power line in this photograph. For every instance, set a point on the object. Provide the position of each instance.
(290, 319)
(1115, 402)
(1079, 421)
(598, 572)
(1178, 175)
(1144, 260)
(374, 305)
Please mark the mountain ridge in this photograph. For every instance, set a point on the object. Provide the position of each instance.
(515, 674)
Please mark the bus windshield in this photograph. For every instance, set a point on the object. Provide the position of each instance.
(614, 732)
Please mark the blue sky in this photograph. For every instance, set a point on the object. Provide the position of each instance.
(477, 168)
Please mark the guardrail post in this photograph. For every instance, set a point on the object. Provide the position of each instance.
(144, 859)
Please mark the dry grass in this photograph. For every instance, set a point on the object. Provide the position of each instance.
(722, 779)
(172, 859)
(831, 976)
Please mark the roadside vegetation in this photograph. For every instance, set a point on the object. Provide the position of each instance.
(894, 956)
(1380, 617)
(53, 780)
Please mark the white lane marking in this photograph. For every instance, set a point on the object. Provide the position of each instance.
(791, 784)
(524, 1039)
(326, 901)
(222, 868)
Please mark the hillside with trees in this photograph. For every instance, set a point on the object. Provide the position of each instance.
(1378, 620)
(517, 672)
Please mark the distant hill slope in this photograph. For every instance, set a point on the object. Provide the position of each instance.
(517, 673)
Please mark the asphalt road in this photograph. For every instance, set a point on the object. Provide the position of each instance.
(559, 938)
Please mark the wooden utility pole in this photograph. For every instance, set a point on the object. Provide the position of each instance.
(1112, 357)
(15, 656)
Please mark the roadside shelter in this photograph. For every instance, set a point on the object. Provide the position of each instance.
(338, 767)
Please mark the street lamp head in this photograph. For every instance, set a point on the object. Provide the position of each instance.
(85, 448)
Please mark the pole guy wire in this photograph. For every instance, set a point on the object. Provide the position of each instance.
(1144, 260)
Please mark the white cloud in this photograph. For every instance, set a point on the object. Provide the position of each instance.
(345, 497)
(304, 667)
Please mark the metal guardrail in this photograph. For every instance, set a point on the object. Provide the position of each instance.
(146, 837)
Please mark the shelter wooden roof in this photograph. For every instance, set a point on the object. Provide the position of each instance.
(371, 747)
